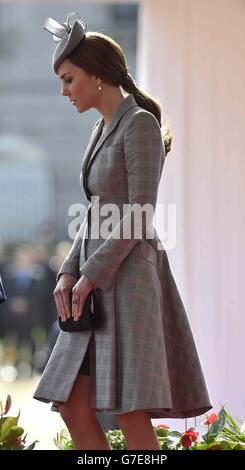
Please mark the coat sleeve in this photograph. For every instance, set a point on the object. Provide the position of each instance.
(71, 263)
(144, 155)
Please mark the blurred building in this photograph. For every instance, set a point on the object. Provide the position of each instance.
(42, 139)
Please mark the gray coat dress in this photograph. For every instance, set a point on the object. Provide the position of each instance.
(144, 356)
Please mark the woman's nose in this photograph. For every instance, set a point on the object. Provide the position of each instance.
(64, 91)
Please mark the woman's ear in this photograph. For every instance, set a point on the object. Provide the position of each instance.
(97, 80)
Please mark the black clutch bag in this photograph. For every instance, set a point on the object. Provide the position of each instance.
(90, 319)
(2, 293)
(92, 316)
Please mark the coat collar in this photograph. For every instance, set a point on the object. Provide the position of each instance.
(95, 144)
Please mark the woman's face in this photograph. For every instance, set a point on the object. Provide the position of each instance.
(78, 86)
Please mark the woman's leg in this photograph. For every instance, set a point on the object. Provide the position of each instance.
(138, 430)
(80, 418)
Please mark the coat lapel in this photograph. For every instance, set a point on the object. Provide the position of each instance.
(95, 143)
(92, 142)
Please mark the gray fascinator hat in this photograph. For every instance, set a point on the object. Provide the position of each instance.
(68, 34)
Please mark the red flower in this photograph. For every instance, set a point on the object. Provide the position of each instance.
(212, 418)
(162, 426)
(7, 406)
(186, 441)
(189, 437)
(18, 441)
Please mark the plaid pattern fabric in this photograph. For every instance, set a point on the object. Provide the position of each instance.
(2, 292)
(144, 356)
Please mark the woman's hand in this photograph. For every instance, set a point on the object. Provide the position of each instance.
(62, 295)
(79, 294)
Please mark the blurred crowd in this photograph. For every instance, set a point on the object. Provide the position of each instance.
(28, 319)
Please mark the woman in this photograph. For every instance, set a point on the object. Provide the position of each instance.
(143, 362)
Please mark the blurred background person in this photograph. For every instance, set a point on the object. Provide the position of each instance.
(30, 310)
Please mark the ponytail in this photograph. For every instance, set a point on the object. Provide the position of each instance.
(145, 101)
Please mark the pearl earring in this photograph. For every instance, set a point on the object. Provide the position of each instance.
(99, 88)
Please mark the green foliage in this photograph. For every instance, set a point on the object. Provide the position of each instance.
(223, 433)
(10, 433)
(116, 439)
(233, 432)
(63, 440)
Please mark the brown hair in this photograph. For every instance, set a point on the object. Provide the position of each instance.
(100, 55)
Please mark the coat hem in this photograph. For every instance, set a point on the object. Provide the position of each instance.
(155, 412)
